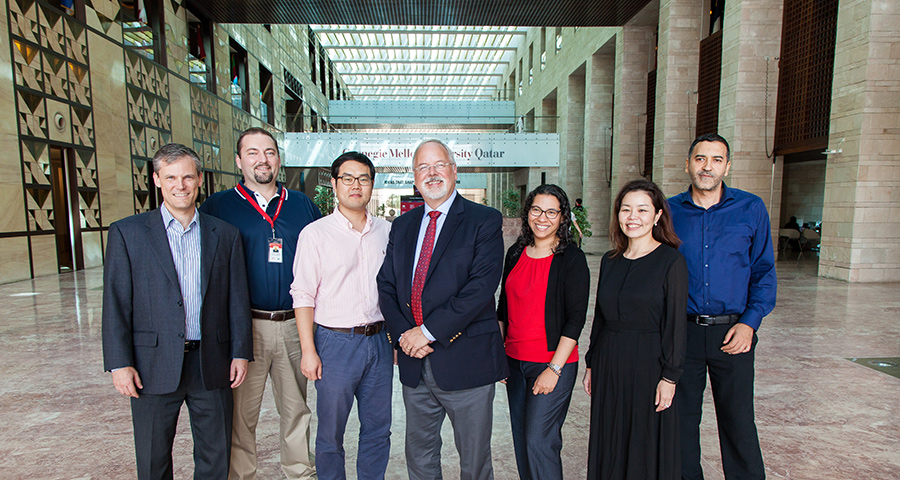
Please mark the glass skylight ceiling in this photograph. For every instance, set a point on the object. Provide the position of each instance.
(420, 63)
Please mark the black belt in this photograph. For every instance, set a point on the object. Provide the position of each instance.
(277, 315)
(707, 320)
(367, 330)
(191, 345)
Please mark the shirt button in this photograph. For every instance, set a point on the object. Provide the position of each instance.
(707, 284)
(707, 265)
(706, 246)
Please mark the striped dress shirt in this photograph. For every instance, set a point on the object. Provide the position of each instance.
(184, 243)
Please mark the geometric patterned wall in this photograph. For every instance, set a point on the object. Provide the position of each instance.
(205, 127)
(53, 103)
(149, 121)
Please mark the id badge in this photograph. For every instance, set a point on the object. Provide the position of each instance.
(276, 250)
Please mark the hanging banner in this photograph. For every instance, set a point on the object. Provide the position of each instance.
(396, 149)
(405, 180)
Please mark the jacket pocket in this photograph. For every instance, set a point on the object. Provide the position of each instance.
(482, 327)
(145, 339)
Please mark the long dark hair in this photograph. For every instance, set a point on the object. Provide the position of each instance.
(563, 234)
(662, 231)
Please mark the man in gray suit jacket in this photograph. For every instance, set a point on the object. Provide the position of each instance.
(176, 320)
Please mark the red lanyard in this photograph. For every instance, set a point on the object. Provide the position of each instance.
(259, 209)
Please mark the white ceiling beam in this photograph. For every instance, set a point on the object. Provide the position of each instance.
(411, 31)
(423, 62)
(419, 47)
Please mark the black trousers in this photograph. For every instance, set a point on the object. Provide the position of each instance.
(156, 416)
(731, 377)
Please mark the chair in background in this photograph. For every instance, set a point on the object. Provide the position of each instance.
(809, 239)
(786, 236)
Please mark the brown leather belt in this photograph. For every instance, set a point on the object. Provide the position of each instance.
(367, 330)
(277, 315)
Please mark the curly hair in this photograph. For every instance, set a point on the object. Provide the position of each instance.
(563, 234)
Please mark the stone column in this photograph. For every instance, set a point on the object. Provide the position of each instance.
(633, 45)
(599, 89)
(861, 215)
(676, 81)
(751, 33)
(571, 134)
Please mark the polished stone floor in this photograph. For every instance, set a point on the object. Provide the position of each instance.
(819, 414)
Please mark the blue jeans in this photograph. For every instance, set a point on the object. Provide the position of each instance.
(358, 366)
(537, 420)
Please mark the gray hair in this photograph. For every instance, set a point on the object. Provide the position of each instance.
(437, 142)
(173, 152)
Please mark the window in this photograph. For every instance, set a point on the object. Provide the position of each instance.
(266, 96)
(293, 103)
(238, 87)
(531, 64)
(716, 15)
(323, 72)
(312, 56)
(558, 39)
(201, 53)
(141, 29)
(543, 48)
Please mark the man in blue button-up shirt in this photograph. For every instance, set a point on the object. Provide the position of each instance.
(727, 242)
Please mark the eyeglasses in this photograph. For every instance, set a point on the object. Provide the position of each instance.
(364, 180)
(536, 211)
(440, 167)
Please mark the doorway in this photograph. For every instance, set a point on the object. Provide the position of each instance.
(67, 228)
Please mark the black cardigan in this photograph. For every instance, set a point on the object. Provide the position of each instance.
(568, 287)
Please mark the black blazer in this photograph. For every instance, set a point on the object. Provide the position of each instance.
(458, 296)
(143, 315)
(568, 287)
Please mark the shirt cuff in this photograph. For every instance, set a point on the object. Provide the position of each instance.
(751, 318)
(428, 334)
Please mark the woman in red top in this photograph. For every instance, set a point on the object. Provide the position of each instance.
(543, 303)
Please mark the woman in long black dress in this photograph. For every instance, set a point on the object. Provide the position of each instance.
(637, 342)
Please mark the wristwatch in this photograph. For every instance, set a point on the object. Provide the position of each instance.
(556, 369)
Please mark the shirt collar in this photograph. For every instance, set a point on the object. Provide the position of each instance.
(344, 221)
(168, 218)
(444, 208)
(278, 189)
(727, 194)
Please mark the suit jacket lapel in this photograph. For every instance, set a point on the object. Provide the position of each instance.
(454, 218)
(159, 245)
(209, 239)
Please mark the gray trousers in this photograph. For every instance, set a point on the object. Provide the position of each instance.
(471, 414)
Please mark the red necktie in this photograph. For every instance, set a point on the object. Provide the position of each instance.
(422, 266)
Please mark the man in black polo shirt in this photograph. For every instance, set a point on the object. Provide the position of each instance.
(270, 218)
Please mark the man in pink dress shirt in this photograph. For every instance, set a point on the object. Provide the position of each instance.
(345, 346)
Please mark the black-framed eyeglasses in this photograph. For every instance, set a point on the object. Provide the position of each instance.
(347, 179)
(440, 167)
(536, 211)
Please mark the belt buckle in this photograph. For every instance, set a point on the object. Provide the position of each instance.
(370, 329)
(704, 320)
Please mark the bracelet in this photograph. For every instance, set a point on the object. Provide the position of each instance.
(670, 382)
(555, 369)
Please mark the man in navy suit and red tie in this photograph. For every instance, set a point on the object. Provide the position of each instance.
(436, 290)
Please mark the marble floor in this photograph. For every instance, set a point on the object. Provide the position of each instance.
(819, 414)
